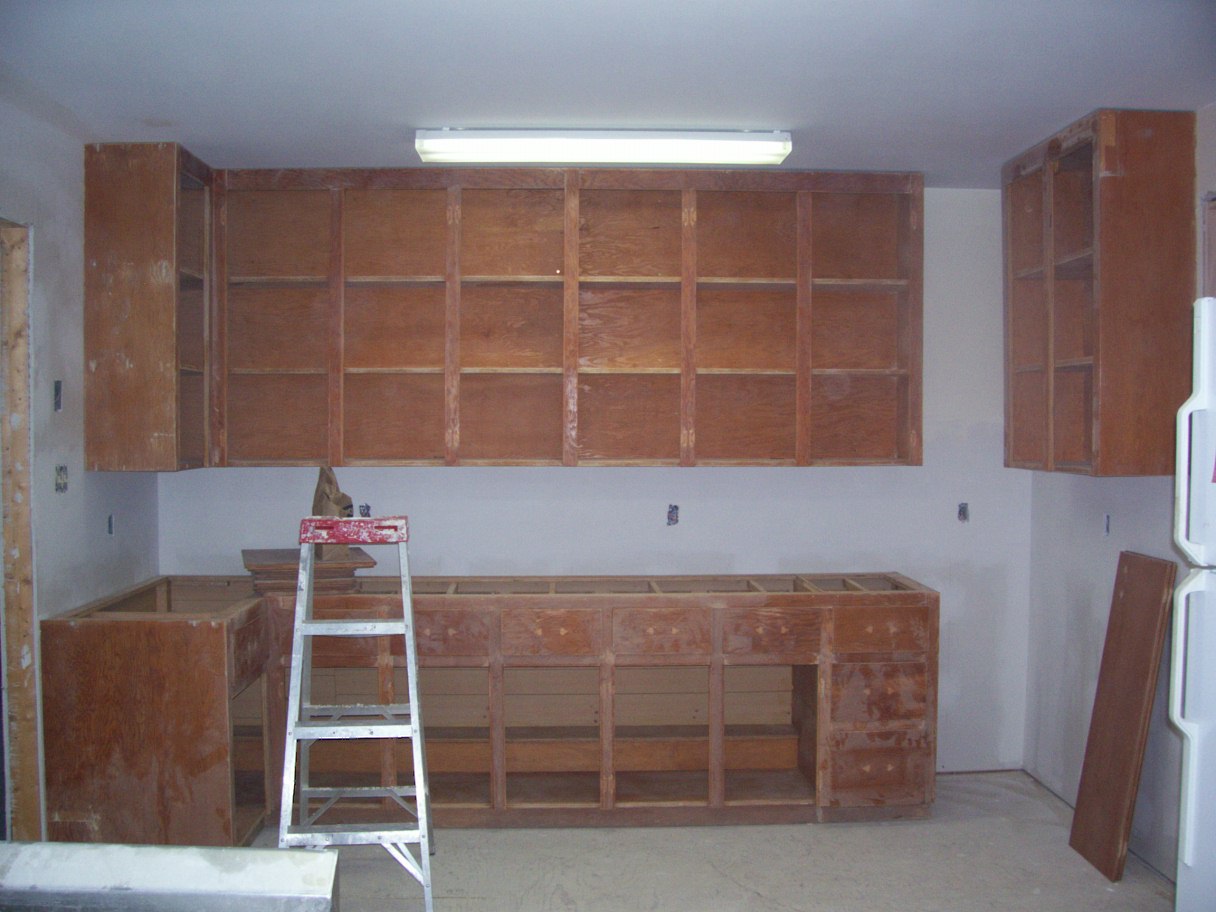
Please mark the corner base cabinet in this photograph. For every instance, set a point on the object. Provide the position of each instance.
(147, 736)
(666, 700)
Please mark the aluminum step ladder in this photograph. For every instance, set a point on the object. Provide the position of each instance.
(410, 843)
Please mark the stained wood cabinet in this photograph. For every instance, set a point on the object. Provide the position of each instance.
(147, 291)
(146, 740)
(628, 700)
(552, 317)
(517, 316)
(1099, 279)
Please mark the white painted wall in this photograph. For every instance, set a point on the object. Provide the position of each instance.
(42, 185)
(732, 520)
(1072, 578)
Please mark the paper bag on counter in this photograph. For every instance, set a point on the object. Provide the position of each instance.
(328, 500)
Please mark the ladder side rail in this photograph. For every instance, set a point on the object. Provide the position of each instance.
(303, 609)
(418, 742)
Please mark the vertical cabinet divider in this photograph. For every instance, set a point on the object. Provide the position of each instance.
(688, 329)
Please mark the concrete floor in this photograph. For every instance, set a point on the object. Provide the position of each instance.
(995, 841)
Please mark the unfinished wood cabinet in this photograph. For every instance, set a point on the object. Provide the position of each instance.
(547, 317)
(276, 331)
(666, 700)
(146, 295)
(153, 718)
(1099, 280)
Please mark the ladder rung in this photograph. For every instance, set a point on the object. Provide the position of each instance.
(353, 730)
(360, 791)
(348, 834)
(390, 712)
(353, 628)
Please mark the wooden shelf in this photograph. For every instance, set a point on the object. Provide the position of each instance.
(750, 284)
(423, 280)
(642, 280)
(556, 278)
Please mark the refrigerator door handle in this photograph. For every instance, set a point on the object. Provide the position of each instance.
(1193, 583)
(1199, 400)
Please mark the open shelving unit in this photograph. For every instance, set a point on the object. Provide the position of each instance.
(1099, 235)
(579, 701)
(538, 317)
(577, 317)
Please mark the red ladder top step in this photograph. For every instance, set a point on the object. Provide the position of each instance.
(333, 530)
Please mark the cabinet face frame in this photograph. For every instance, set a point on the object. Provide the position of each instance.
(724, 699)
(582, 332)
(1099, 235)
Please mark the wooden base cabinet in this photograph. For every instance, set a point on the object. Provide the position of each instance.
(152, 704)
(629, 700)
(1099, 281)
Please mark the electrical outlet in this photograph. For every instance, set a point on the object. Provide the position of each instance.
(61, 479)
(365, 510)
(964, 512)
(673, 514)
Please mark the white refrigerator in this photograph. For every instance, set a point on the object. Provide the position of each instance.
(1193, 668)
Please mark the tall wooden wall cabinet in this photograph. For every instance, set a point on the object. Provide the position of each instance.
(147, 284)
(509, 316)
(1099, 280)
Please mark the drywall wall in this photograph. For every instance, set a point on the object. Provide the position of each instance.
(1073, 563)
(42, 186)
(613, 520)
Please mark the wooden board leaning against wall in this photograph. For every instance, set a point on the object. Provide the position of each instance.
(550, 317)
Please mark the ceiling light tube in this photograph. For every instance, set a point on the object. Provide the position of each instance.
(653, 147)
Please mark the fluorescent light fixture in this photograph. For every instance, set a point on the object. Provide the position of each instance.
(654, 147)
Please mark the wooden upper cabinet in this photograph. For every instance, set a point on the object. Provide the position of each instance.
(1099, 281)
(147, 288)
(511, 316)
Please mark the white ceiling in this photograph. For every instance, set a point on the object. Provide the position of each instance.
(949, 87)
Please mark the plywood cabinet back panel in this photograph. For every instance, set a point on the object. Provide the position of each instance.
(629, 417)
(393, 327)
(856, 329)
(746, 329)
(741, 416)
(628, 328)
(277, 418)
(394, 232)
(511, 417)
(629, 233)
(856, 235)
(511, 326)
(747, 234)
(855, 416)
(513, 232)
(278, 233)
(394, 417)
(277, 328)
